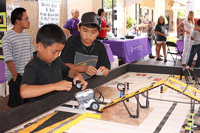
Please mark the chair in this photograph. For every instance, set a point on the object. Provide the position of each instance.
(177, 52)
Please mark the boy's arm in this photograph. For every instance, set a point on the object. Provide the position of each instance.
(193, 35)
(103, 61)
(12, 69)
(7, 51)
(90, 70)
(68, 55)
(29, 90)
(66, 71)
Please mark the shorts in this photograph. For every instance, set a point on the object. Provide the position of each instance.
(158, 42)
(15, 98)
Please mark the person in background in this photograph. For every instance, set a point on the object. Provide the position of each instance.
(71, 26)
(195, 47)
(151, 36)
(110, 35)
(145, 23)
(161, 33)
(18, 51)
(188, 29)
(104, 29)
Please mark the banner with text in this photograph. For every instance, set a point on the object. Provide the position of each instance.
(49, 12)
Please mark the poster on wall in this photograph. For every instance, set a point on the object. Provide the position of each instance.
(2, 33)
(9, 9)
(49, 12)
(2, 19)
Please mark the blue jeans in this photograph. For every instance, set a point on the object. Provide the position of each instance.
(195, 49)
(151, 44)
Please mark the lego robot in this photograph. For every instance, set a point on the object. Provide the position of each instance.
(86, 100)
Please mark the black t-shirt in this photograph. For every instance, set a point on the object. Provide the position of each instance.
(161, 29)
(75, 52)
(38, 72)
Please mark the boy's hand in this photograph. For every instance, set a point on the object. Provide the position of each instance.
(90, 70)
(63, 85)
(79, 77)
(104, 70)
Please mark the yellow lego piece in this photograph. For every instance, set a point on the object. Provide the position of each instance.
(184, 85)
(133, 94)
(34, 126)
(181, 91)
(165, 87)
(74, 122)
(49, 128)
(178, 76)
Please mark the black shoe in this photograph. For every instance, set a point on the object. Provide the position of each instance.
(159, 59)
(152, 57)
(165, 60)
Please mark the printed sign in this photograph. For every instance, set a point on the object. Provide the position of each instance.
(49, 12)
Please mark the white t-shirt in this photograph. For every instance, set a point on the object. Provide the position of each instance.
(189, 27)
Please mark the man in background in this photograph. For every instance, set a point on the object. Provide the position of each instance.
(71, 26)
(18, 51)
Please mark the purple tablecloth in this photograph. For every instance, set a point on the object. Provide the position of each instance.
(109, 52)
(130, 50)
(2, 72)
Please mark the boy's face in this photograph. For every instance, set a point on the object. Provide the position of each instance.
(50, 53)
(24, 22)
(88, 35)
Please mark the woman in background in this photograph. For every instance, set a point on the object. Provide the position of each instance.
(103, 30)
(161, 33)
(188, 29)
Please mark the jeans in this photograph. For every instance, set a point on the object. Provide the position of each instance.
(151, 44)
(195, 49)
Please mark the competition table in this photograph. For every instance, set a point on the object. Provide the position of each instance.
(19, 115)
(130, 50)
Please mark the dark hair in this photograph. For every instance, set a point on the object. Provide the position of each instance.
(17, 14)
(163, 19)
(90, 26)
(141, 15)
(146, 14)
(198, 22)
(50, 34)
(150, 22)
(100, 11)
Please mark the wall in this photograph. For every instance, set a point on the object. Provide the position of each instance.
(148, 3)
(82, 5)
(96, 5)
(32, 11)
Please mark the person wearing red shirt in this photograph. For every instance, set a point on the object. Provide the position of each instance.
(103, 30)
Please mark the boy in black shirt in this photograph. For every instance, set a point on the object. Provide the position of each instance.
(85, 53)
(43, 75)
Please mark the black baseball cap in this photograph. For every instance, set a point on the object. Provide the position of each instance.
(91, 18)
